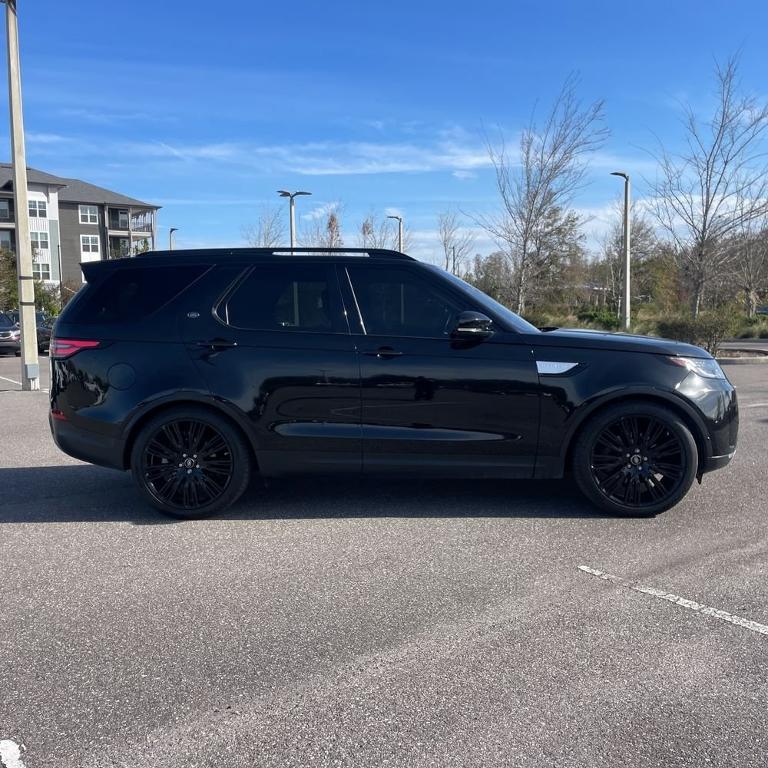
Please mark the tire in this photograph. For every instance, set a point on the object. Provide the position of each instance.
(639, 480)
(189, 462)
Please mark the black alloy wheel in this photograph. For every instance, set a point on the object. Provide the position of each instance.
(636, 458)
(190, 462)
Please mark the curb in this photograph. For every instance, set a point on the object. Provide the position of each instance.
(761, 360)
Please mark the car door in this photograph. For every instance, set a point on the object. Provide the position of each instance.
(277, 346)
(433, 404)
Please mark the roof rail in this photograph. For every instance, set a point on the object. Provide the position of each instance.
(373, 253)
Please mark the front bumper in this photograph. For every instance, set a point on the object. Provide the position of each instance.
(717, 462)
(10, 345)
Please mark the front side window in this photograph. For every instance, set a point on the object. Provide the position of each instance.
(89, 214)
(39, 241)
(395, 302)
(89, 243)
(38, 209)
(285, 297)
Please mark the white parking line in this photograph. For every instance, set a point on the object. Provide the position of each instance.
(13, 381)
(692, 605)
(10, 754)
(754, 405)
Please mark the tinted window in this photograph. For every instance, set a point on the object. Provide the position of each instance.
(128, 295)
(5, 321)
(283, 297)
(485, 302)
(396, 302)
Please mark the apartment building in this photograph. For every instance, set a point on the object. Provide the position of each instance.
(72, 221)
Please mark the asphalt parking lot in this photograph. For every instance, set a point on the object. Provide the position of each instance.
(379, 624)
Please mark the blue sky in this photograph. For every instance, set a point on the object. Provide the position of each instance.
(208, 109)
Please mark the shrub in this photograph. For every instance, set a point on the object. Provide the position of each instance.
(546, 320)
(707, 330)
(763, 333)
(678, 328)
(645, 327)
(599, 318)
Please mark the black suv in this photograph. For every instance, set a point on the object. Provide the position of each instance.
(195, 369)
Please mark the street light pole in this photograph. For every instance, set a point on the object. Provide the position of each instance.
(292, 198)
(399, 231)
(30, 367)
(626, 316)
(170, 237)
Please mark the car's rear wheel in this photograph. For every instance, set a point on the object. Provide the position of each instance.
(190, 462)
(635, 458)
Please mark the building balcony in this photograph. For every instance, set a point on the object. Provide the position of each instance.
(135, 221)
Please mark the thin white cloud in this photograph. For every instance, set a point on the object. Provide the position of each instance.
(105, 117)
(321, 211)
(32, 137)
(321, 158)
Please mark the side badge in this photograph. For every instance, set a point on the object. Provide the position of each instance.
(553, 368)
(193, 315)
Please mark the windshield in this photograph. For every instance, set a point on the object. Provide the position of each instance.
(484, 300)
(5, 321)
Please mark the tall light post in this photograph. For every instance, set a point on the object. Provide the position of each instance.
(30, 367)
(627, 308)
(292, 197)
(399, 231)
(170, 237)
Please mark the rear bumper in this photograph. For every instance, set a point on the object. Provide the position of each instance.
(87, 446)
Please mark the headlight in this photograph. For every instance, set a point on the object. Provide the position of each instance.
(706, 368)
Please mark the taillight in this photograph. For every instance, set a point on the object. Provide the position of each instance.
(63, 348)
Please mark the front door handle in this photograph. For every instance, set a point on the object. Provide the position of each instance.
(383, 353)
(217, 344)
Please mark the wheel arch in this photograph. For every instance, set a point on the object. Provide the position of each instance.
(221, 408)
(673, 403)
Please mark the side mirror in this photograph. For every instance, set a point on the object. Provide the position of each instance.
(472, 325)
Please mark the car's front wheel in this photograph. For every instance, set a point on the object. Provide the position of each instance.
(190, 462)
(635, 458)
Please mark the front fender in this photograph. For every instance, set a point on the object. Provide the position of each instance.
(554, 450)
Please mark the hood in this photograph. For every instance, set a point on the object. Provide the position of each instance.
(621, 342)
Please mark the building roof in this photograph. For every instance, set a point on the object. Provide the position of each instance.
(71, 190)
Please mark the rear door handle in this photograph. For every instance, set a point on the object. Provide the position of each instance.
(217, 344)
(383, 352)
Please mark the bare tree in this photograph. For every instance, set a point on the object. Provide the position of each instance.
(750, 263)
(457, 241)
(376, 232)
(492, 275)
(718, 184)
(536, 190)
(644, 246)
(333, 231)
(324, 231)
(269, 229)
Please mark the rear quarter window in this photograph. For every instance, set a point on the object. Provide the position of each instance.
(131, 294)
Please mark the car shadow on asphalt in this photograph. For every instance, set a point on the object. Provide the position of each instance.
(84, 493)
